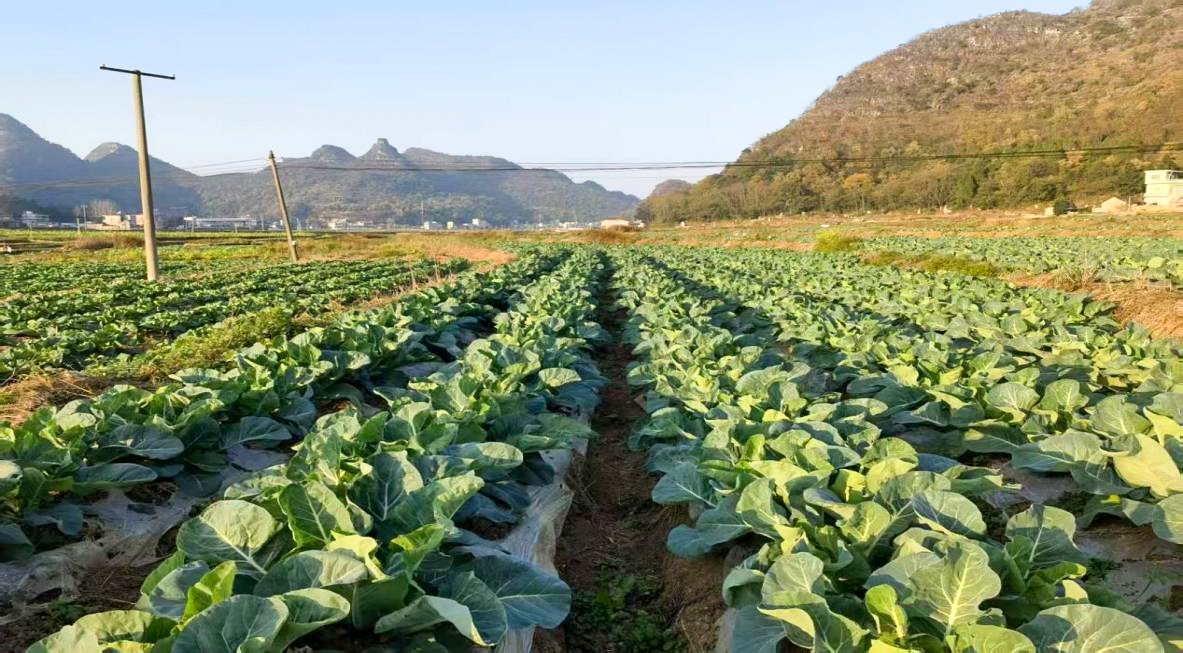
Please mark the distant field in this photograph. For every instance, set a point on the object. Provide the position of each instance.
(83, 306)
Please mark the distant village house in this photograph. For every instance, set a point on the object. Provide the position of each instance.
(1164, 188)
(615, 223)
(222, 224)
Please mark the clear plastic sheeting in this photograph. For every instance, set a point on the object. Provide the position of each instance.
(535, 537)
(131, 531)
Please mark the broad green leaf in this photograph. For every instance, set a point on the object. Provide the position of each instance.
(116, 625)
(531, 597)
(69, 639)
(756, 632)
(1168, 519)
(981, 638)
(426, 612)
(214, 586)
(867, 524)
(391, 479)
(1064, 395)
(832, 632)
(1117, 416)
(890, 619)
(138, 440)
(410, 549)
(14, 545)
(1149, 466)
(166, 566)
(553, 377)
(952, 592)
(308, 609)
(1089, 629)
(434, 502)
(1050, 531)
(484, 458)
(314, 513)
(713, 527)
(262, 430)
(488, 613)
(368, 602)
(948, 512)
(312, 569)
(111, 476)
(683, 484)
(229, 530)
(169, 596)
(1012, 397)
(758, 508)
(240, 624)
(796, 572)
(899, 572)
(1059, 453)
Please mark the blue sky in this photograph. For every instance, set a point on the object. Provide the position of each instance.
(530, 81)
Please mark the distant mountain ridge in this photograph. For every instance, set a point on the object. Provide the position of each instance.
(381, 187)
(1108, 75)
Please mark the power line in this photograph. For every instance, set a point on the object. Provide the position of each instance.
(772, 163)
(240, 166)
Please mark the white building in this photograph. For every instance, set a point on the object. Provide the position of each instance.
(221, 224)
(1164, 188)
(615, 223)
(35, 220)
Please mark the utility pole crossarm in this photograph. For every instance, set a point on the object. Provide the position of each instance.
(135, 72)
(146, 206)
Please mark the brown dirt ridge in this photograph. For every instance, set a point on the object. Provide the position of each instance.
(614, 531)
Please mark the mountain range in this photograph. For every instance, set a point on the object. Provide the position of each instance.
(381, 187)
(1105, 76)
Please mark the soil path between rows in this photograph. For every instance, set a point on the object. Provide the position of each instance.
(614, 531)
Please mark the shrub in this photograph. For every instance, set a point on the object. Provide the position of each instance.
(833, 240)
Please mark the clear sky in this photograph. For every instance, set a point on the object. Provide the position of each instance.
(531, 81)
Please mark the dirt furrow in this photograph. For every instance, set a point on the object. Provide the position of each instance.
(631, 594)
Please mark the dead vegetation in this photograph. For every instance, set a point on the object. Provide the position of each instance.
(21, 398)
(1158, 308)
(106, 241)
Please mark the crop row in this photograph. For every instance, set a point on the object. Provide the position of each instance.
(71, 329)
(361, 527)
(970, 364)
(39, 276)
(190, 430)
(855, 540)
(1105, 259)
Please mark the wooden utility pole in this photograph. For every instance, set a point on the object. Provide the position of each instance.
(283, 208)
(146, 206)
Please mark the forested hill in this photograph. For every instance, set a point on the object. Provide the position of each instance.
(1108, 75)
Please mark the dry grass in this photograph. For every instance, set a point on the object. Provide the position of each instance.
(1158, 308)
(106, 241)
(21, 398)
(401, 245)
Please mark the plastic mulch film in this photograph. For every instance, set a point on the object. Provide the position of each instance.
(535, 537)
(130, 533)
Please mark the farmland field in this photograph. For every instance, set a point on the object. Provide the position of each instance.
(785, 450)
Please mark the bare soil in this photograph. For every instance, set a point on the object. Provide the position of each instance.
(111, 588)
(614, 529)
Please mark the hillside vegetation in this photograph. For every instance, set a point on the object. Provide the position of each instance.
(382, 187)
(1109, 75)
